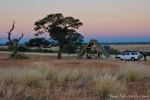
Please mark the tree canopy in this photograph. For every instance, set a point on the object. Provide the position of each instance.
(38, 42)
(61, 29)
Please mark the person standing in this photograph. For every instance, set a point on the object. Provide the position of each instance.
(144, 57)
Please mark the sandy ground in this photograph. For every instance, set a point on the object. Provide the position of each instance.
(66, 61)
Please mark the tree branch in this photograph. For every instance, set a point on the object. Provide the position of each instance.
(9, 33)
(20, 37)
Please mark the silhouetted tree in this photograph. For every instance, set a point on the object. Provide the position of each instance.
(61, 29)
(15, 41)
(38, 42)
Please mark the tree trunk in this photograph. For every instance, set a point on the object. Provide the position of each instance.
(59, 56)
(16, 50)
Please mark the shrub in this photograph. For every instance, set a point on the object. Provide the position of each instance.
(11, 47)
(41, 50)
(19, 56)
(3, 49)
(22, 49)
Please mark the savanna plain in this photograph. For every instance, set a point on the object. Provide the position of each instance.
(43, 77)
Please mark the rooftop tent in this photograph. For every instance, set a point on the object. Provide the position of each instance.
(89, 46)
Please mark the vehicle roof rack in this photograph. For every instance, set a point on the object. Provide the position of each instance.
(130, 51)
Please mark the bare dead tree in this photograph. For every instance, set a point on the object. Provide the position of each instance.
(15, 43)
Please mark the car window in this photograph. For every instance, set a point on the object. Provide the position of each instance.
(127, 53)
(133, 53)
(123, 53)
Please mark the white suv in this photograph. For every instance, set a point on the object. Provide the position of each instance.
(130, 55)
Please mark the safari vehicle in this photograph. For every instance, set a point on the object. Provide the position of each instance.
(130, 55)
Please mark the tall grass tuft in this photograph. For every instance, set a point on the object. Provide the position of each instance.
(32, 78)
(75, 74)
(48, 71)
(63, 75)
(133, 72)
(107, 85)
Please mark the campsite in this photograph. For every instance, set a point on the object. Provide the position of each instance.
(74, 49)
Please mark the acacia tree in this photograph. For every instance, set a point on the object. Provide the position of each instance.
(37, 42)
(14, 42)
(60, 29)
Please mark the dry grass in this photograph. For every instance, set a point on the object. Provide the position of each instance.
(108, 85)
(70, 79)
(133, 72)
(67, 80)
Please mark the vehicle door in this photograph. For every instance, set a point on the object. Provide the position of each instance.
(123, 55)
(133, 54)
(128, 56)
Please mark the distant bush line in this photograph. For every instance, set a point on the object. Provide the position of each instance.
(26, 49)
(126, 43)
(22, 48)
(111, 50)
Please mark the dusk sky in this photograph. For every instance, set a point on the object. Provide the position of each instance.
(104, 20)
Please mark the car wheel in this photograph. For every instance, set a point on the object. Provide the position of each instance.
(132, 59)
(121, 59)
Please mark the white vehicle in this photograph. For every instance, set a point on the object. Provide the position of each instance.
(130, 55)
